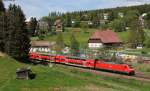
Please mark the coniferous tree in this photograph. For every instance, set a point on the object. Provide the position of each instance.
(2, 25)
(32, 26)
(68, 20)
(18, 41)
(50, 21)
(2, 8)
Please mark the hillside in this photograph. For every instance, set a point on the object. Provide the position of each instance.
(81, 35)
(62, 78)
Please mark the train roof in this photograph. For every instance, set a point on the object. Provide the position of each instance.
(73, 57)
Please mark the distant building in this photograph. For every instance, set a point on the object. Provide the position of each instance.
(120, 14)
(104, 38)
(43, 25)
(90, 23)
(41, 46)
(58, 25)
(105, 16)
(141, 19)
(102, 21)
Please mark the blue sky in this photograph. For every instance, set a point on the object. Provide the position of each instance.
(39, 8)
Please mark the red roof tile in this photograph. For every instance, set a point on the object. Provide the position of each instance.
(107, 36)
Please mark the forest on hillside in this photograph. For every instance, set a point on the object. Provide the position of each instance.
(101, 17)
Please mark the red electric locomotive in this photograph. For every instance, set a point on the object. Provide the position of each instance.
(115, 67)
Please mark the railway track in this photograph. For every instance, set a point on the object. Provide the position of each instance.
(142, 75)
(138, 75)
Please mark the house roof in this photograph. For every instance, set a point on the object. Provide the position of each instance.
(106, 36)
(58, 22)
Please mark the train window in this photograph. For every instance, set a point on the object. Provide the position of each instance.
(79, 59)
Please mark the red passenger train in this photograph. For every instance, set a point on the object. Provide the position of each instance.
(89, 63)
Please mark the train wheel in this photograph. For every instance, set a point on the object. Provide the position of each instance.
(131, 73)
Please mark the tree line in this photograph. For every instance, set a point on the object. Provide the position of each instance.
(14, 37)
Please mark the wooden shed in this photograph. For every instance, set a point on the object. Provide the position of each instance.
(24, 73)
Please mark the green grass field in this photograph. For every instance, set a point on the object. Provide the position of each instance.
(123, 36)
(62, 78)
(80, 35)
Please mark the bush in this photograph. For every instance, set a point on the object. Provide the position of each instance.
(143, 52)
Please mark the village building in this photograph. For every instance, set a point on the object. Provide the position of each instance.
(43, 25)
(103, 21)
(121, 15)
(27, 21)
(58, 25)
(105, 16)
(41, 46)
(104, 38)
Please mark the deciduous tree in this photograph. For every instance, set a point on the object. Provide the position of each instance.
(74, 45)
(59, 42)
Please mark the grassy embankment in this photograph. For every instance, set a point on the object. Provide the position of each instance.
(62, 78)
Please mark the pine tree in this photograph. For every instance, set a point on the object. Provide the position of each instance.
(2, 8)
(74, 45)
(68, 20)
(2, 25)
(32, 26)
(18, 41)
